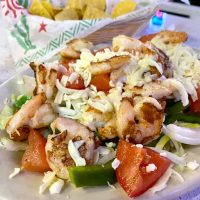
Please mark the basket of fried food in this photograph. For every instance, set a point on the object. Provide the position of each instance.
(119, 16)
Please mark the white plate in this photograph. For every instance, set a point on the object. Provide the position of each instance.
(25, 185)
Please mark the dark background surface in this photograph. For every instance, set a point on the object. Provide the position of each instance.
(193, 2)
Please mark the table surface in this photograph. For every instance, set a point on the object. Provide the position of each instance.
(191, 25)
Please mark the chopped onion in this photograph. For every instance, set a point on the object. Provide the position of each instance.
(103, 160)
(175, 85)
(171, 156)
(115, 163)
(56, 187)
(182, 134)
(75, 155)
(14, 173)
(49, 178)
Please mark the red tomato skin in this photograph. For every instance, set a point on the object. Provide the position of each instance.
(79, 85)
(131, 173)
(34, 158)
(195, 106)
(128, 174)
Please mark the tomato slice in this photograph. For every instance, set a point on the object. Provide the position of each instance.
(34, 158)
(101, 82)
(195, 106)
(131, 173)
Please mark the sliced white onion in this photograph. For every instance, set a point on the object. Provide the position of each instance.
(59, 98)
(171, 156)
(103, 160)
(182, 134)
(75, 155)
(175, 85)
(162, 182)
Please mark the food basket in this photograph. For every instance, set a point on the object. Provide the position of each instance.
(35, 38)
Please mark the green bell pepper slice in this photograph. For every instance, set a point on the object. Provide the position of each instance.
(182, 117)
(94, 175)
(177, 107)
(21, 100)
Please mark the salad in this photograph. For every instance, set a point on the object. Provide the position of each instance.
(95, 116)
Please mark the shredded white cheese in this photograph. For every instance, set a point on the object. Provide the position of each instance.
(115, 163)
(139, 145)
(49, 178)
(150, 167)
(110, 144)
(164, 154)
(193, 165)
(56, 187)
(14, 173)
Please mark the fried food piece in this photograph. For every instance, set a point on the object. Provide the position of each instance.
(48, 6)
(67, 14)
(100, 4)
(36, 8)
(123, 7)
(94, 13)
(76, 4)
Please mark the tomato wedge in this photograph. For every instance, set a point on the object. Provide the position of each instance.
(101, 82)
(195, 106)
(34, 158)
(131, 173)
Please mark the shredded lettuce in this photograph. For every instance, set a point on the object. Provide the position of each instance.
(5, 115)
(162, 142)
(11, 145)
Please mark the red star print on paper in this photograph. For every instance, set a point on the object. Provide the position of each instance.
(42, 27)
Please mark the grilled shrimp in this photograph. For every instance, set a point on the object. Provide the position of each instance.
(43, 116)
(122, 42)
(74, 47)
(17, 126)
(162, 89)
(45, 80)
(168, 37)
(140, 50)
(109, 65)
(139, 124)
(57, 152)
